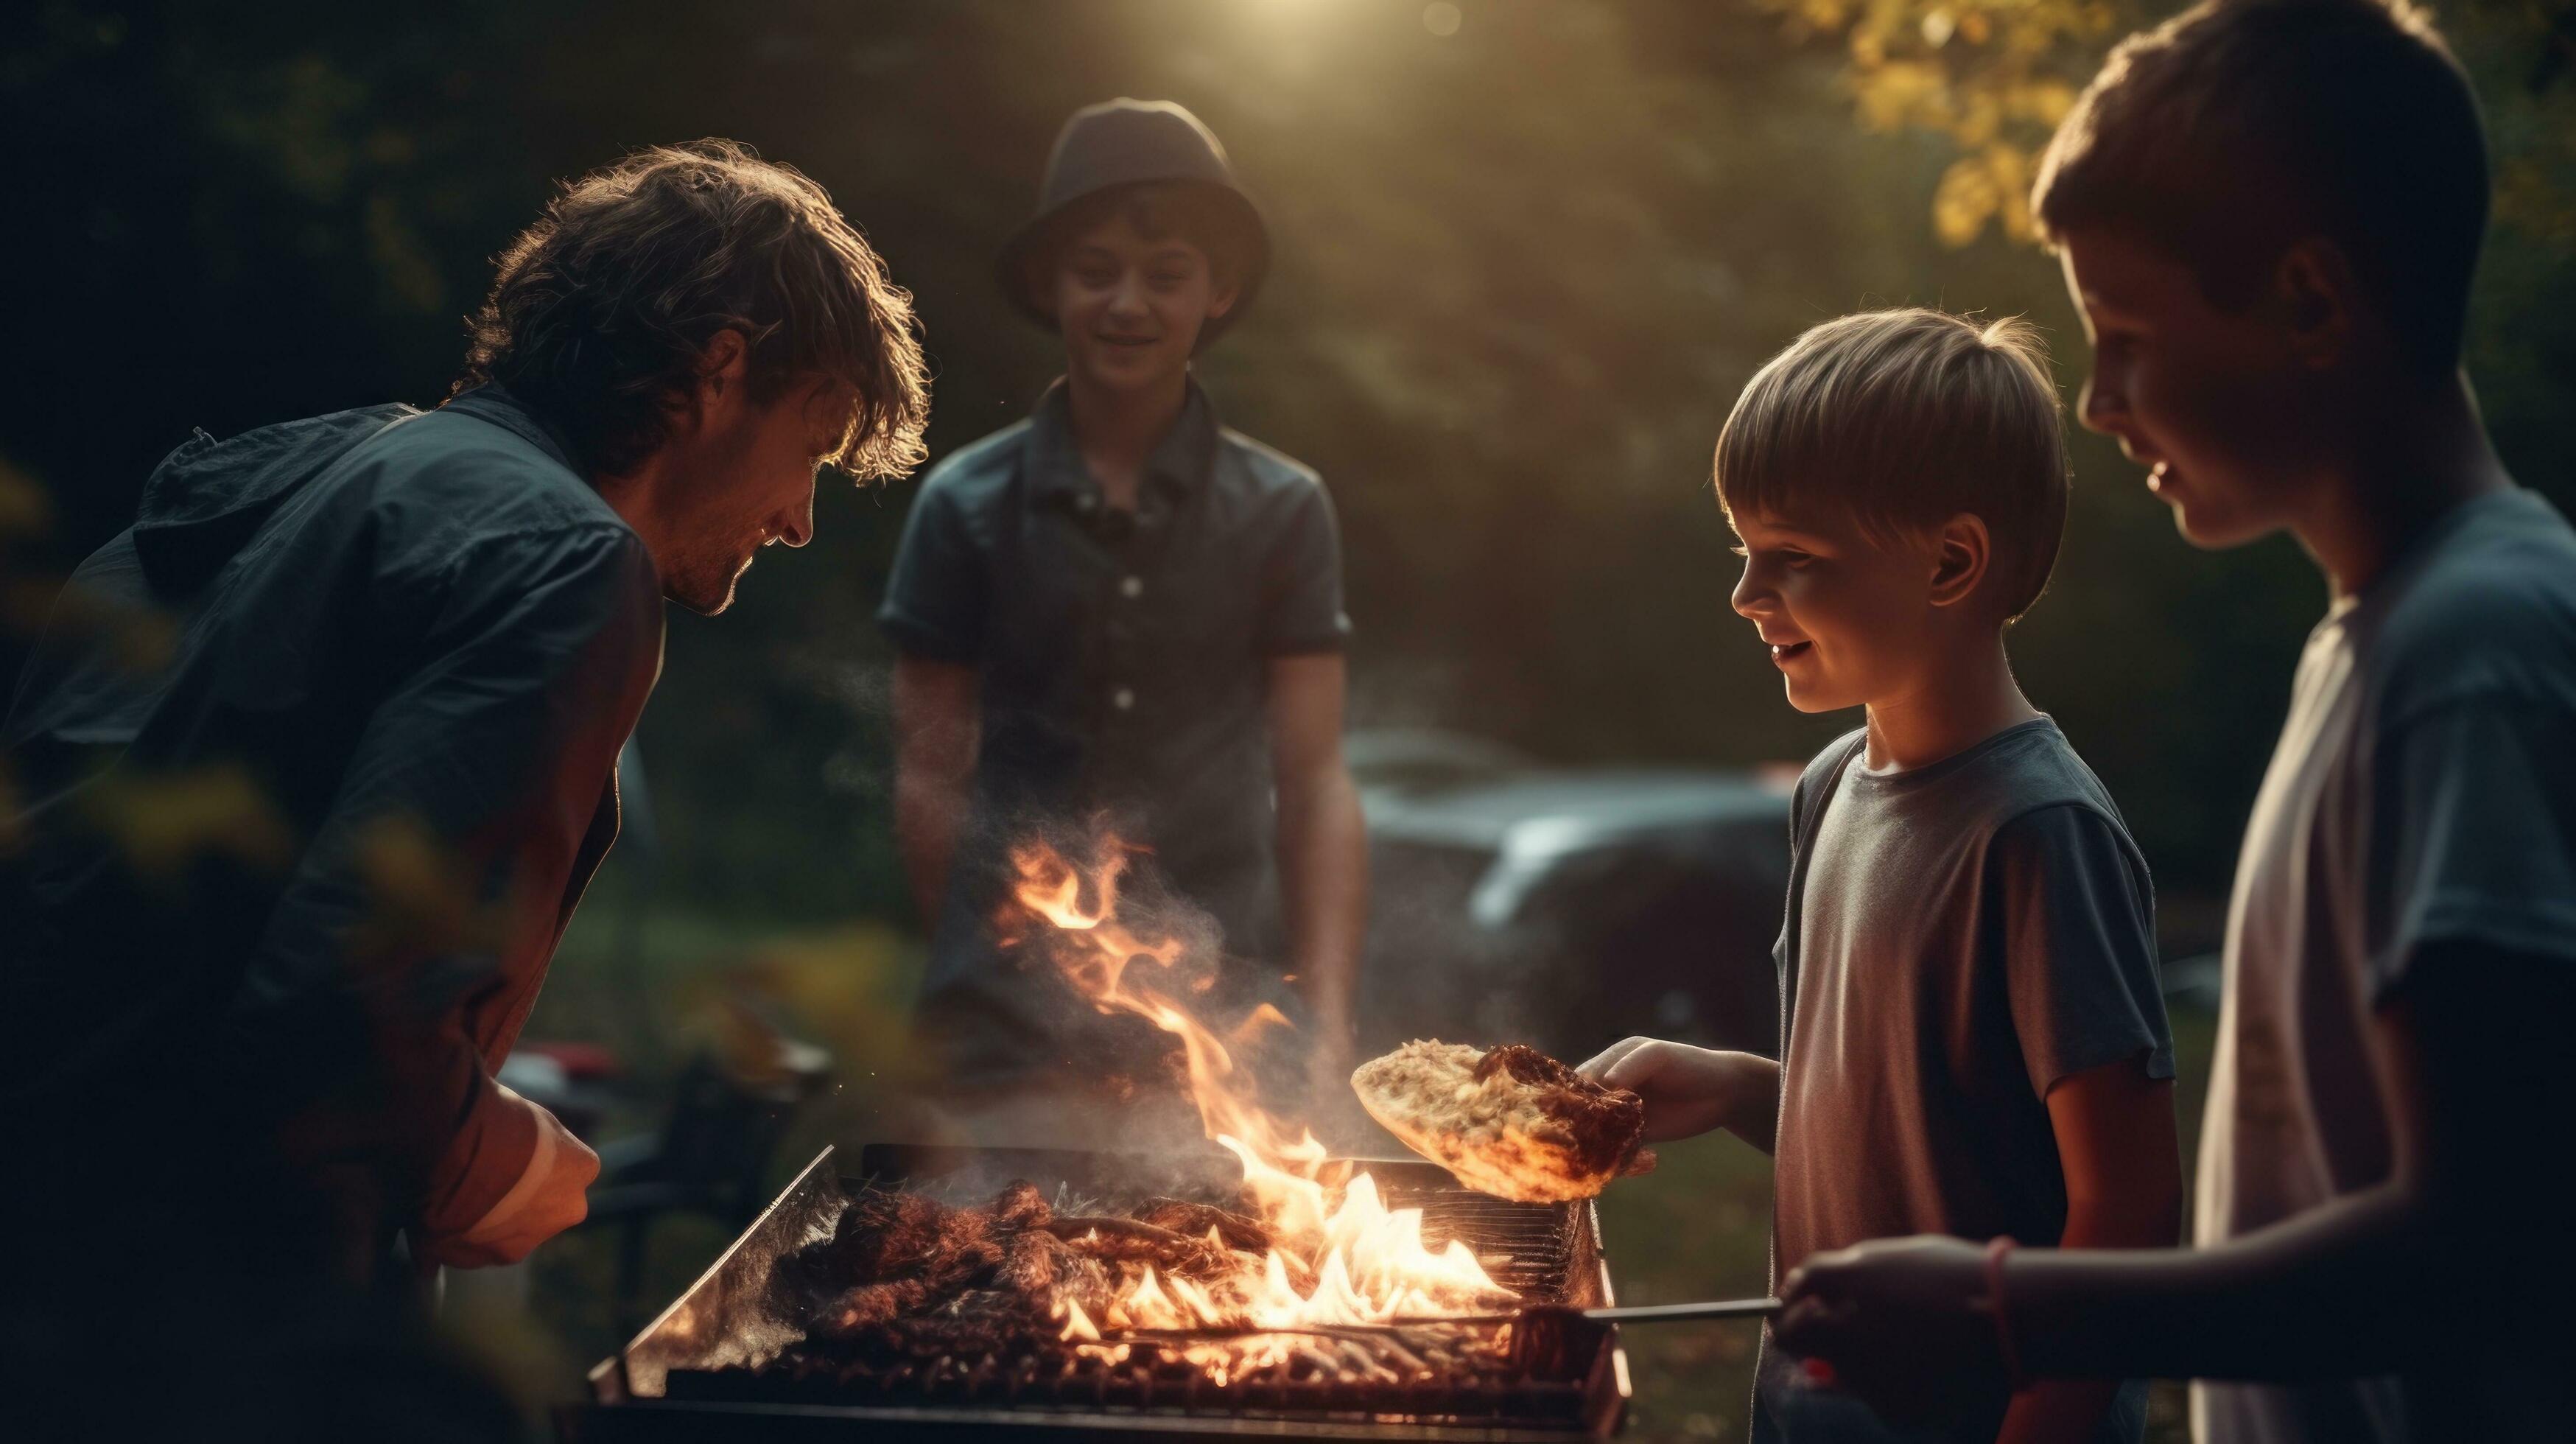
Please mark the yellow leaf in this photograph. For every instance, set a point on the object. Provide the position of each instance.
(2042, 102)
(1978, 120)
(1964, 201)
(2010, 167)
(1902, 93)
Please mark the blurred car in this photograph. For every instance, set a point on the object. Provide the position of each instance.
(1566, 907)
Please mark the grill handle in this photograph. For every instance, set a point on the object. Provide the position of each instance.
(1713, 1309)
(1622, 1314)
(1546, 1338)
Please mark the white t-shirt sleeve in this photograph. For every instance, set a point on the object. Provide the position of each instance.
(2472, 833)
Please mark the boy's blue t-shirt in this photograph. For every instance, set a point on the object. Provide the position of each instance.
(1967, 934)
(1961, 936)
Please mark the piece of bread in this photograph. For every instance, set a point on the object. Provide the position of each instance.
(1509, 1121)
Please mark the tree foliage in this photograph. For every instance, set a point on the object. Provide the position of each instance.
(1994, 77)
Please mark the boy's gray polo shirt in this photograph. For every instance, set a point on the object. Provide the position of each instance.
(1961, 937)
(1124, 660)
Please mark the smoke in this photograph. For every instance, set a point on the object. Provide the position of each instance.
(1428, 969)
(1171, 1013)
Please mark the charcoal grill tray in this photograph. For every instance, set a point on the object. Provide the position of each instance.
(726, 1318)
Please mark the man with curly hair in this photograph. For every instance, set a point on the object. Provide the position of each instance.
(394, 653)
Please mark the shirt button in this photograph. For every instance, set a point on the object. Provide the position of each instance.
(1123, 699)
(1131, 588)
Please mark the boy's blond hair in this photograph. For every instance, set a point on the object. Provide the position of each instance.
(1900, 420)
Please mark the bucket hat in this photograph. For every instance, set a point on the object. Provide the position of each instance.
(1127, 142)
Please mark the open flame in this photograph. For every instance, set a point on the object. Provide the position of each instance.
(1341, 1255)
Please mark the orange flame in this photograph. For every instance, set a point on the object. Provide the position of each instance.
(1366, 1262)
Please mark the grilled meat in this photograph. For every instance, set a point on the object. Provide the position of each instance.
(896, 1261)
(1195, 1219)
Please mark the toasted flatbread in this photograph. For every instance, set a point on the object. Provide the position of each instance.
(1509, 1121)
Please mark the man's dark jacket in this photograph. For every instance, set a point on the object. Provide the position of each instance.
(311, 766)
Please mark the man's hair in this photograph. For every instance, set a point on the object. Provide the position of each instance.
(603, 308)
(2231, 131)
(1898, 421)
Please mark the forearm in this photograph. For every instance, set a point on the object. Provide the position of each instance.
(2460, 1258)
(2135, 1214)
(929, 815)
(1756, 1118)
(366, 1021)
(493, 1147)
(362, 1053)
(372, 1010)
(1323, 875)
(2332, 1292)
(938, 730)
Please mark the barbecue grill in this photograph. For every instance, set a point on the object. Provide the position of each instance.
(724, 1359)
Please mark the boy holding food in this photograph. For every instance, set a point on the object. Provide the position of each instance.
(1974, 1042)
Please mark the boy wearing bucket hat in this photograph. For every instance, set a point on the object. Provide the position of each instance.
(1119, 609)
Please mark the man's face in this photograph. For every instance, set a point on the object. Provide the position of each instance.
(744, 479)
(1131, 306)
(2211, 401)
(1848, 619)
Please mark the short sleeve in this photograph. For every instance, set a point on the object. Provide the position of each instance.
(1302, 582)
(1788, 912)
(1814, 788)
(2472, 833)
(2075, 910)
(935, 601)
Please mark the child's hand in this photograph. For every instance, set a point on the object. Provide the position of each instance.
(1688, 1090)
(1906, 1324)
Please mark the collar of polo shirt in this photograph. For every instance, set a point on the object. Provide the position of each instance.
(1178, 465)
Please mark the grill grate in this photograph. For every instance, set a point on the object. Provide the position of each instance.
(725, 1348)
(1529, 1248)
